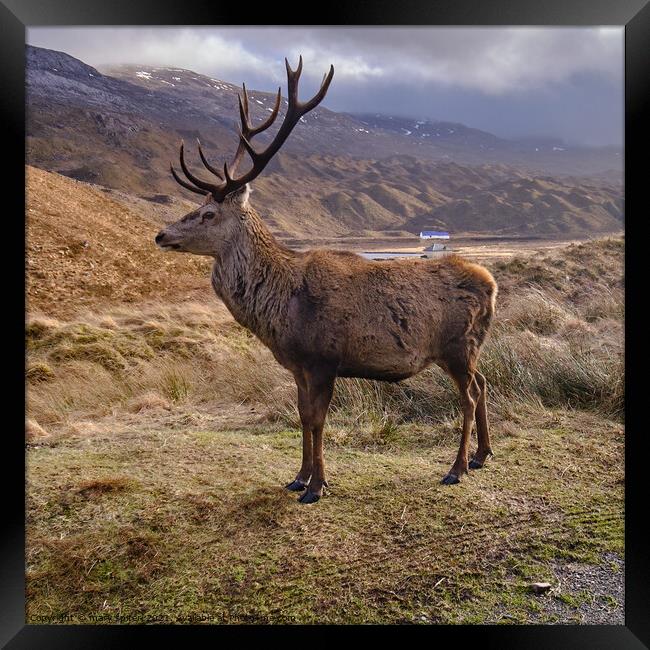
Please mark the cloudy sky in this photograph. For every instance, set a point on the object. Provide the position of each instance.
(511, 81)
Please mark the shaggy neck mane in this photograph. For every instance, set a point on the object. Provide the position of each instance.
(255, 277)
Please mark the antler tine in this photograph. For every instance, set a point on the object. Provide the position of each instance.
(318, 97)
(245, 144)
(292, 80)
(227, 173)
(204, 185)
(208, 166)
(247, 130)
(237, 157)
(243, 108)
(274, 113)
(185, 184)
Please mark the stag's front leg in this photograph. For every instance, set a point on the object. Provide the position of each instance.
(320, 389)
(304, 408)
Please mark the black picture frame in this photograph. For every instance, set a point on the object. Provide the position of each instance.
(16, 15)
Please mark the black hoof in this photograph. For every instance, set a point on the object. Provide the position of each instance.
(309, 497)
(450, 479)
(474, 464)
(296, 486)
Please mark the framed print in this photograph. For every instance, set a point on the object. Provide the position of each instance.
(326, 323)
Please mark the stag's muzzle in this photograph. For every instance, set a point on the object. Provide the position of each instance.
(162, 240)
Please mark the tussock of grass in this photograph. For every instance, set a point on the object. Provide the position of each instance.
(107, 561)
(96, 487)
(146, 401)
(34, 432)
(606, 304)
(535, 311)
(39, 327)
(82, 389)
(530, 271)
(39, 371)
(550, 371)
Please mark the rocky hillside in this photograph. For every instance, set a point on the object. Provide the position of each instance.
(531, 205)
(339, 174)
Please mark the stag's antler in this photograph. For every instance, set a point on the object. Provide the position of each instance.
(295, 110)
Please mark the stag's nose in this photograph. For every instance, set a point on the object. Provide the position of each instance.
(160, 236)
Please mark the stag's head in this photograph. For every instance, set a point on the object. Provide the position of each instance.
(206, 230)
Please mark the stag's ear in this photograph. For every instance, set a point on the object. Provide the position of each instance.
(240, 197)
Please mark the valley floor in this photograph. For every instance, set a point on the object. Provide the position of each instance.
(479, 248)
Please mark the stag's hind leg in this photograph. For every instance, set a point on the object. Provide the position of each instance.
(484, 450)
(465, 379)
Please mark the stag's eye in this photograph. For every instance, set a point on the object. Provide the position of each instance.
(207, 215)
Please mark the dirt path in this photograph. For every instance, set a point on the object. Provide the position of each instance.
(591, 594)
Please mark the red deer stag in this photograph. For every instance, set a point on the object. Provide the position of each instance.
(325, 313)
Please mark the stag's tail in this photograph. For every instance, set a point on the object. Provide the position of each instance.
(494, 290)
(485, 286)
(487, 314)
(479, 281)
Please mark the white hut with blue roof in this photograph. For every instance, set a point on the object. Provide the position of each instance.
(434, 234)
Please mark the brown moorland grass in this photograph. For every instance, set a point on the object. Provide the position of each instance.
(557, 342)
